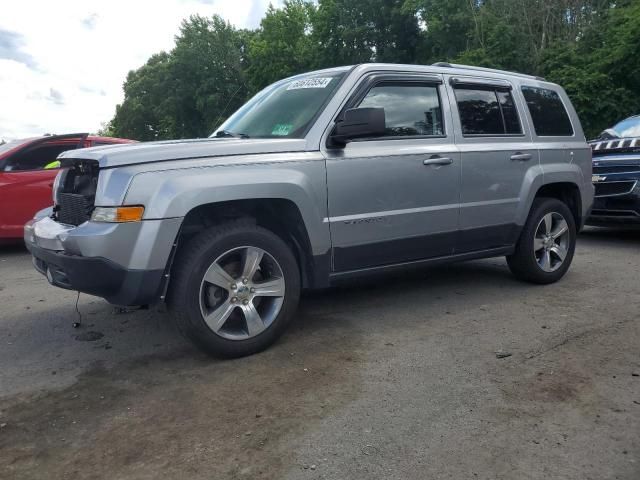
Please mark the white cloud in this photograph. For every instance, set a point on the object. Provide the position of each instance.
(62, 64)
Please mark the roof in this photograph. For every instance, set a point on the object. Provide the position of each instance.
(439, 67)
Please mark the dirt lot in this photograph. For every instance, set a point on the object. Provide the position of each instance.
(394, 379)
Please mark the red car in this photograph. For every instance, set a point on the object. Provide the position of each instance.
(27, 173)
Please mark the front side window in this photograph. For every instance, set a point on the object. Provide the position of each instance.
(487, 112)
(550, 118)
(38, 158)
(410, 110)
(284, 109)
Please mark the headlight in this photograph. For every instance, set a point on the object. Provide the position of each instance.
(117, 214)
(57, 184)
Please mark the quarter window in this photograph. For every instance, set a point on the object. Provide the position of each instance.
(487, 112)
(410, 110)
(550, 118)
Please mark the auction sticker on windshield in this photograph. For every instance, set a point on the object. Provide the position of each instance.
(282, 129)
(309, 83)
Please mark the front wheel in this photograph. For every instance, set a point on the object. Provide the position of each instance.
(234, 289)
(547, 243)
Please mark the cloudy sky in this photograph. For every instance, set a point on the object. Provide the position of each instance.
(62, 63)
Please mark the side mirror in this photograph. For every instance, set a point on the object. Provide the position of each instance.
(359, 123)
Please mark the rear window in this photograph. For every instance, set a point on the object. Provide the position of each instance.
(550, 118)
(487, 112)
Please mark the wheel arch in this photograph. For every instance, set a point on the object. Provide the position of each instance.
(566, 192)
(564, 185)
(278, 215)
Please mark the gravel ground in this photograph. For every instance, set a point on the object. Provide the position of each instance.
(396, 378)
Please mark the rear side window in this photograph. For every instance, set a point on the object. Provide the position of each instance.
(550, 118)
(487, 112)
(410, 110)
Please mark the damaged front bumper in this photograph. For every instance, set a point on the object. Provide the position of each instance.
(123, 263)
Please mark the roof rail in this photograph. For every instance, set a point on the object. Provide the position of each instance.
(482, 69)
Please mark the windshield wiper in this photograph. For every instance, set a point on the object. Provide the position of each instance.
(227, 133)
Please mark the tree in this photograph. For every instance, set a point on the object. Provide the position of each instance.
(106, 129)
(588, 46)
(209, 77)
(147, 113)
(450, 27)
(348, 32)
(189, 91)
(601, 69)
(282, 46)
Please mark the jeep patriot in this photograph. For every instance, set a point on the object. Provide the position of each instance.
(322, 177)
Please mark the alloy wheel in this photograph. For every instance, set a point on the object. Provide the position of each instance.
(551, 242)
(241, 293)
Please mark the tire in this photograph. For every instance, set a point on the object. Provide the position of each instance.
(529, 261)
(195, 292)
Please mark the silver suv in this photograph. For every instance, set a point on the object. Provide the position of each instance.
(321, 177)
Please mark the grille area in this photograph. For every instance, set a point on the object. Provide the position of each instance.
(615, 213)
(76, 192)
(617, 145)
(616, 169)
(73, 208)
(614, 188)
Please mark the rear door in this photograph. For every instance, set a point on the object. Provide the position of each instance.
(394, 198)
(496, 153)
(25, 183)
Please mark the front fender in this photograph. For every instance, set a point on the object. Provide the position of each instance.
(173, 193)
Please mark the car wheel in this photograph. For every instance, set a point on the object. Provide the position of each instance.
(547, 243)
(234, 289)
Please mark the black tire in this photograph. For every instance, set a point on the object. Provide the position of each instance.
(190, 265)
(523, 263)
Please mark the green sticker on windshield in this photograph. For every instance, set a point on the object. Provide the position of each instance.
(282, 129)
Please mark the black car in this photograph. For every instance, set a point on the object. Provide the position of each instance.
(616, 175)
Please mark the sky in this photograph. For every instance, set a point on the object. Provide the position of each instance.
(63, 63)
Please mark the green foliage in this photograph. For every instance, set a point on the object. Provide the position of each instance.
(282, 46)
(106, 130)
(357, 31)
(449, 27)
(588, 46)
(601, 70)
(189, 91)
(146, 112)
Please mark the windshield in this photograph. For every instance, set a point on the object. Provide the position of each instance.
(283, 110)
(628, 128)
(5, 147)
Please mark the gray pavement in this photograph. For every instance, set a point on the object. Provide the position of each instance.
(395, 378)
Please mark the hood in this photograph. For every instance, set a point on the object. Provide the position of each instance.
(615, 146)
(149, 152)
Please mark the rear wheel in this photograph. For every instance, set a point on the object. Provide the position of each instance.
(547, 243)
(234, 289)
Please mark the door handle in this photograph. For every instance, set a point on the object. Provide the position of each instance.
(438, 161)
(521, 157)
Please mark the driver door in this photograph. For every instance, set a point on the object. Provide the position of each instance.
(395, 198)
